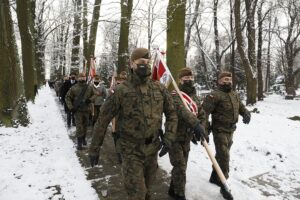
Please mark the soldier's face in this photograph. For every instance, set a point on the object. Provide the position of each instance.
(186, 78)
(225, 81)
(139, 61)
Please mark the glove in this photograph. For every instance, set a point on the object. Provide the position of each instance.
(194, 141)
(73, 110)
(164, 150)
(199, 132)
(88, 101)
(94, 159)
(246, 118)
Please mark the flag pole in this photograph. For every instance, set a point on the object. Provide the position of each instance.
(204, 142)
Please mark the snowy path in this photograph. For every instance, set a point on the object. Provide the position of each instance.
(39, 162)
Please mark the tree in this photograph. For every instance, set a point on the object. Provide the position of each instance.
(123, 55)
(10, 76)
(28, 56)
(175, 35)
(76, 36)
(248, 65)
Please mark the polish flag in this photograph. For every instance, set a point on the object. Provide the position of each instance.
(160, 70)
(92, 71)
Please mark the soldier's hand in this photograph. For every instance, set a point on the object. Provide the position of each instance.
(94, 159)
(194, 141)
(73, 110)
(88, 101)
(164, 150)
(199, 132)
(246, 118)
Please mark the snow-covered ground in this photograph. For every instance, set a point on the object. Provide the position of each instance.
(265, 156)
(38, 161)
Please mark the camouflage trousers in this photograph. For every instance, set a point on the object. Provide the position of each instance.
(96, 113)
(223, 142)
(81, 121)
(179, 157)
(139, 175)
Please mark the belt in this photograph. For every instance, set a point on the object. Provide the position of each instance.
(224, 124)
(145, 141)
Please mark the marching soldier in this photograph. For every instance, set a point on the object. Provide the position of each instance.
(225, 107)
(78, 99)
(139, 104)
(100, 95)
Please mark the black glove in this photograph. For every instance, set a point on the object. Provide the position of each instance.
(73, 110)
(94, 159)
(194, 141)
(246, 118)
(199, 132)
(164, 150)
(88, 101)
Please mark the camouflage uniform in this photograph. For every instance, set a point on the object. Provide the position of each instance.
(225, 108)
(139, 107)
(82, 113)
(100, 95)
(180, 150)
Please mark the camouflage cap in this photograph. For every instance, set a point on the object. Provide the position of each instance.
(97, 78)
(81, 75)
(140, 53)
(186, 71)
(224, 74)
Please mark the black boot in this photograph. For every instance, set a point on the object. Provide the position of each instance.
(214, 179)
(171, 190)
(84, 143)
(79, 143)
(226, 194)
(119, 158)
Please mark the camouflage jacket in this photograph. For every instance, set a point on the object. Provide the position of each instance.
(100, 95)
(224, 107)
(186, 119)
(73, 94)
(139, 107)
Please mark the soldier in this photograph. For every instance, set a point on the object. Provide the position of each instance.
(100, 95)
(68, 83)
(225, 106)
(139, 104)
(119, 79)
(190, 123)
(78, 99)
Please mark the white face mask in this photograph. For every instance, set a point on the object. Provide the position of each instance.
(72, 81)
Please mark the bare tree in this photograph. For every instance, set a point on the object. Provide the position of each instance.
(123, 55)
(175, 35)
(248, 66)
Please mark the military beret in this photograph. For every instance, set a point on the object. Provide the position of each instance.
(81, 75)
(224, 74)
(140, 53)
(185, 72)
(97, 78)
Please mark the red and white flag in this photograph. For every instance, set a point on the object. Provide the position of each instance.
(160, 70)
(92, 70)
(190, 103)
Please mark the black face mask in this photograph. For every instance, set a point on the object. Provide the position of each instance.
(96, 83)
(226, 87)
(142, 70)
(73, 78)
(187, 86)
(82, 81)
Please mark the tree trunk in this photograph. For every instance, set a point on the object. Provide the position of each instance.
(10, 76)
(260, 95)
(76, 37)
(267, 81)
(85, 33)
(232, 55)
(123, 55)
(175, 35)
(216, 32)
(189, 30)
(24, 22)
(251, 79)
(93, 32)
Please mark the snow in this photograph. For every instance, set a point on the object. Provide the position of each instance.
(267, 148)
(38, 161)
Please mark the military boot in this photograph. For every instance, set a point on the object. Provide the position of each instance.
(171, 190)
(119, 158)
(226, 194)
(214, 179)
(84, 143)
(79, 143)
